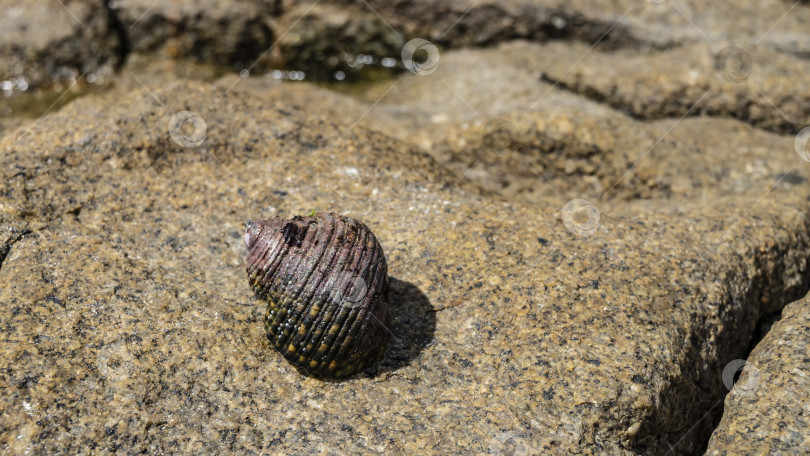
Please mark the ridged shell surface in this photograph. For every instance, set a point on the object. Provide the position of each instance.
(325, 281)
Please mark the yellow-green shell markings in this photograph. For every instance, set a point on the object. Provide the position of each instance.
(325, 281)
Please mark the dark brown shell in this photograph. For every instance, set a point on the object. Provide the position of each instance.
(325, 281)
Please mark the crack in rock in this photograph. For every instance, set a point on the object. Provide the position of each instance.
(6, 247)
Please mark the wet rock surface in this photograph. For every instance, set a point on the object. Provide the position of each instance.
(321, 39)
(232, 34)
(580, 240)
(43, 42)
(88, 34)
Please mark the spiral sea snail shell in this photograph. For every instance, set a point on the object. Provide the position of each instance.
(325, 281)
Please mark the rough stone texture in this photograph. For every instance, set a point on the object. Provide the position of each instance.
(131, 326)
(44, 41)
(751, 83)
(298, 34)
(614, 24)
(486, 114)
(768, 412)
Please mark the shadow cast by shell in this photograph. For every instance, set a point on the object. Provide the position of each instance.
(412, 324)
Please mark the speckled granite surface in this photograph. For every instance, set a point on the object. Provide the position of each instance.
(571, 143)
(131, 325)
(768, 411)
(487, 115)
(526, 320)
(747, 81)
